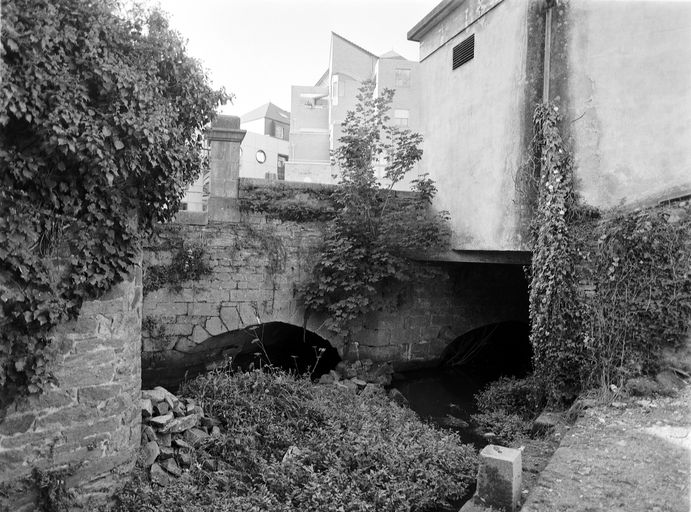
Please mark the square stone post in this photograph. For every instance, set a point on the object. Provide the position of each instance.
(225, 137)
(499, 480)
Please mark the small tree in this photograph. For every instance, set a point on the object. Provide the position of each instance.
(101, 118)
(374, 233)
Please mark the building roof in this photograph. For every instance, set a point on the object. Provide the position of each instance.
(334, 34)
(268, 110)
(392, 55)
(323, 79)
(433, 18)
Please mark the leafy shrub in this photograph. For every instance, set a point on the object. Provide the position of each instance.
(507, 407)
(354, 452)
(101, 118)
(189, 264)
(505, 426)
(522, 397)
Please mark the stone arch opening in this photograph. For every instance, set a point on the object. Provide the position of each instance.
(288, 347)
(280, 344)
(494, 350)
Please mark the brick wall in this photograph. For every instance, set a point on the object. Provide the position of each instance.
(90, 420)
(257, 267)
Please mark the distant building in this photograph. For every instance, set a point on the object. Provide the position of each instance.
(265, 148)
(263, 153)
(319, 110)
(267, 120)
(620, 72)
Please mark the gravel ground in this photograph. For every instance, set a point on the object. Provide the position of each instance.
(632, 455)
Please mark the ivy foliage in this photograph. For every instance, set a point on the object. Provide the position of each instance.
(189, 263)
(639, 267)
(101, 117)
(374, 232)
(555, 311)
(282, 202)
(608, 292)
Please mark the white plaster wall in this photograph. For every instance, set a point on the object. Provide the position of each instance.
(629, 94)
(253, 142)
(472, 122)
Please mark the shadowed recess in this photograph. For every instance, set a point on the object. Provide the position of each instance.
(279, 344)
(501, 349)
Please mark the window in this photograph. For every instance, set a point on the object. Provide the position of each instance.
(402, 77)
(278, 131)
(334, 90)
(281, 167)
(183, 206)
(463, 52)
(260, 156)
(400, 117)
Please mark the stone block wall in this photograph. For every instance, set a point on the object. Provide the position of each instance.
(257, 267)
(89, 422)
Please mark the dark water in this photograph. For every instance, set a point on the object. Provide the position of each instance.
(443, 396)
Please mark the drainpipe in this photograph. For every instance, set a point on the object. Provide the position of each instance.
(548, 52)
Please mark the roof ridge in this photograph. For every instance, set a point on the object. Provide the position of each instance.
(353, 44)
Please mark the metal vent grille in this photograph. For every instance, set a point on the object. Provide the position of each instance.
(463, 52)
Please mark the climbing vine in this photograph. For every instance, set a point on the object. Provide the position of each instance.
(101, 118)
(374, 232)
(555, 309)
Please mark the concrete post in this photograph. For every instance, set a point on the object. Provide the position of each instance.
(224, 138)
(499, 479)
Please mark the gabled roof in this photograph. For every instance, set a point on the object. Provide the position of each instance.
(392, 55)
(323, 79)
(334, 34)
(268, 110)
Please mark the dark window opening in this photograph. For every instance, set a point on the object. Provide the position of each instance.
(463, 52)
(281, 167)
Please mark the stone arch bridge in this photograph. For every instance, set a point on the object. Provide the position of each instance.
(257, 266)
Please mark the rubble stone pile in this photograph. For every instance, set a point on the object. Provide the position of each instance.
(171, 428)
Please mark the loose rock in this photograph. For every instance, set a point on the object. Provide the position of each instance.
(180, 424)
(147, 408)
(159, 476)
(171, 467)
(161, 421)
(151, 452)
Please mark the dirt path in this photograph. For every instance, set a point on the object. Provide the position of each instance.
(630, 456)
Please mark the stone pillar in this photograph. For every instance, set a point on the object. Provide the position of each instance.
(224, 138)
(499, 480)
(88, 423)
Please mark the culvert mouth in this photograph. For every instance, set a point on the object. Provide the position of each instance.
(493, 351)
(289, 348)
(275, 344)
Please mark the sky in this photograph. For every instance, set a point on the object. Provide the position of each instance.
(257, 49)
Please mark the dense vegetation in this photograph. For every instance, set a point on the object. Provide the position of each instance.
(101, 117)
(289, 445)
(609, 291)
